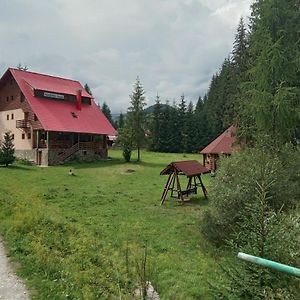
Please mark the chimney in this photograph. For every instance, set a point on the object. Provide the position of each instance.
(79, 100)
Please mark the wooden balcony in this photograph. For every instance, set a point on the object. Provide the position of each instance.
(22, 124)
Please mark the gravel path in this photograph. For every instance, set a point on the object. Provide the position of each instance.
(11, 287)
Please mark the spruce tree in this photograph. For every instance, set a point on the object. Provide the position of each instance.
(106, 111)
(121, 121)
(7, 150)
(190, 128)
(156, 126)
(135, 117)
(183, 129)
(271, 94)
(88, 90)
(199, 105)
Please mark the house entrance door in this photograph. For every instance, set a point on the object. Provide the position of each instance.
(39, 158)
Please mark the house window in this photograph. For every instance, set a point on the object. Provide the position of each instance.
(22, 98)
(12, 116)
(12, 97)
(7, 99)
(7, 117)
(29, 135)
(23, 136)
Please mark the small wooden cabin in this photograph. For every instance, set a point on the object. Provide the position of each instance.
(222, 145)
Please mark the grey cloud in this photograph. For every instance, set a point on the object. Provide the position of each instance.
(174, 46)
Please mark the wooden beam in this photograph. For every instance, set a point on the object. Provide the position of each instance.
(189, 185)
(166, 189)
(202, 186)
(172, 188)
(180, 196)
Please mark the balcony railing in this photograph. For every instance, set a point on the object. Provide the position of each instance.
(22, 124)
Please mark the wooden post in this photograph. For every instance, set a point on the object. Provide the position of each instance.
(180, 196)
(195, 185)
(47, 132)
(165, 192)
(189, 185)
(37, 138)
(172, 188)
(202, 186)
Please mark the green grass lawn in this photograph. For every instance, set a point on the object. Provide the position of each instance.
(80, 237)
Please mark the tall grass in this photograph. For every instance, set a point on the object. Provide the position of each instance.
(82, 237)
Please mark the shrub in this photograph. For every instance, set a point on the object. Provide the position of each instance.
(127, 154)
(125, 141)
(235, 186)
(7, 150)
(254, 200)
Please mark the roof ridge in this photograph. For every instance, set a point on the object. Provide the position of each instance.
(46, 75)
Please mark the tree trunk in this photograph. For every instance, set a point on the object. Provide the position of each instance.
(138, 148)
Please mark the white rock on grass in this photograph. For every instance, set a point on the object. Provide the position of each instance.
(151, 293)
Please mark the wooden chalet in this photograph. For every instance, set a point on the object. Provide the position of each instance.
(190, 168)
(52, 119)
(222, 145)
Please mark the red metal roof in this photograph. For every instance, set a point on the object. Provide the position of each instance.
(223, 143)
(56, 115)
(187, 167)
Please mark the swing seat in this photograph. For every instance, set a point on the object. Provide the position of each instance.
(189, 191)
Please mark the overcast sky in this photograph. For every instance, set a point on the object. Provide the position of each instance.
(174, 46)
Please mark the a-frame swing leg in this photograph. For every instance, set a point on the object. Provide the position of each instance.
(202, 186)
(189, 185)
(180, 196)
(173, 184)
(165, 192)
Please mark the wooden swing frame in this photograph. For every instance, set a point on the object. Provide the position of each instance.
(173, 185)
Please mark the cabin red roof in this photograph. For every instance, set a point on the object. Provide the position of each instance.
(56, 115)
(222, 144)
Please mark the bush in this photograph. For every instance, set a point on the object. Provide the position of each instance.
(235, 186)
(7, 150)
(125, 141)
(127, 154)
(254, 210)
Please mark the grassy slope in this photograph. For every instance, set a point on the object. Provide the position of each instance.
(69, 234)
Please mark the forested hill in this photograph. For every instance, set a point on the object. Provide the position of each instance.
(257, 87)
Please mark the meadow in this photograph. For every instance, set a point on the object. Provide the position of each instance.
(82, 237)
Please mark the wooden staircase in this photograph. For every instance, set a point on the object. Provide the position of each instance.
(69, 152)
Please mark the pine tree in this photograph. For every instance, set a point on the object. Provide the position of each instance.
(121, 121)
(106, 111)
(135, 117)
(183, 130)
(271, 94)
(239, 52)
(156, 126)
(7, 150)
(88, 90)
(167, 130)
(199, 105)
(190, 128)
